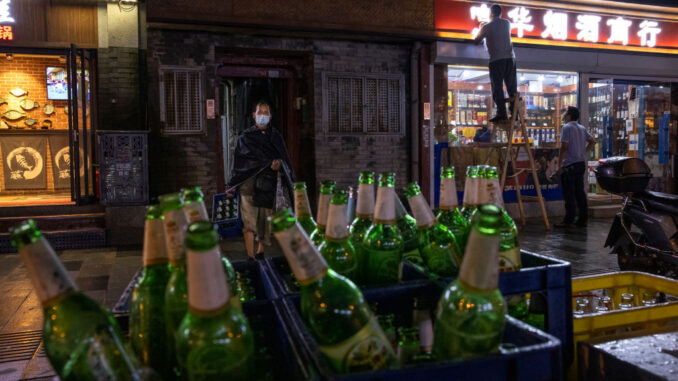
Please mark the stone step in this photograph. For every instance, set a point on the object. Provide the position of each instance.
(64, 239)
(58, 221)
(49, 210)
(603, 211)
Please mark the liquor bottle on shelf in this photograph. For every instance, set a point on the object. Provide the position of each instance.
(326, 189)
(470, 315)
(437, 244)
(449, 213)
(214, 340)
(82, 340)
(333, 308)
(336, 248)
(383, 244)
(302, 208)
(147, 326)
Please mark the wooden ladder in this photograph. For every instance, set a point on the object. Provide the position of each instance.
(511, 154)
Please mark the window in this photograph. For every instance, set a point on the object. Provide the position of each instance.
(363, 104)
(181, 100)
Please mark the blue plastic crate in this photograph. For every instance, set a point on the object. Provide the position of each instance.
(286, 360)
(281, 276)
(535, 355)
(540, 274)
(229, 224)
(256, 270)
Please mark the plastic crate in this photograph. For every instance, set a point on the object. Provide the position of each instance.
(264, 288)
(609, 358)
(229, 223)
(610, 323)
(549, 276)
(280, 272)
(268, 322)
(536, 355)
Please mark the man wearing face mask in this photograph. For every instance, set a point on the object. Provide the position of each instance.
(260, 159)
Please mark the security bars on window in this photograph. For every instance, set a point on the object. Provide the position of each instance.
(181, 100)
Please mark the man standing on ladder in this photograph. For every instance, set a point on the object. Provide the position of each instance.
(497, 36)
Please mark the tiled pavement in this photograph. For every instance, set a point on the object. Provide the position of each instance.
(104, 273)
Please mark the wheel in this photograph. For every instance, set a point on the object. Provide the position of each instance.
(630, 258)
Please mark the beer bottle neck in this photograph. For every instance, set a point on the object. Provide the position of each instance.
(480, 267)
(337, 223)
(175, 232)
(421, 210)
(323, 210)
(155, 245)
(208, 291)
(307, 265)
(301, 205)
(385, 209)
(365, 205)
(48, 275)
(448, 194)
(496, 193)
(196, 211)
(471, 191)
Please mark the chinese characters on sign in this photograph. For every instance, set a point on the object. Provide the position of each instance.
(6, 33)
(587, 27)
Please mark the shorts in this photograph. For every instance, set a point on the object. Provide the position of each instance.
(255, 219)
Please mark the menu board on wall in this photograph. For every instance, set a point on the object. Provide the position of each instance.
(23, 160)
(61, 161)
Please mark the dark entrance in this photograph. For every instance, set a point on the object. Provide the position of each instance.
(251, 76)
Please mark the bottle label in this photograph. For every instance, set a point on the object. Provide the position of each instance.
(367, 350)
(471, 191)
(496, 194)
(301, 205)
(365, 206)
(323, 209)
(385, 209)
(305, 262)
(48, 275)
(155, 246)
(509, 260)
(421, 210)
(175, 231)
(337, 223)
(448, 194)
(207, 285)
(480, 266)
(196, 211)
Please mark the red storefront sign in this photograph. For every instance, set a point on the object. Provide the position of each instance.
(561, 27)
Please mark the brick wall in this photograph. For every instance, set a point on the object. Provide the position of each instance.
(177, 161)
(119, 105)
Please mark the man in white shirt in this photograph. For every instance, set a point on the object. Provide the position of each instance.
(575, 142)
(497, 36)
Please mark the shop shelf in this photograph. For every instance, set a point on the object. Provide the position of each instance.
(533, 355)
(278, 354)
(639, 355)
(540, 274)
(256, 271)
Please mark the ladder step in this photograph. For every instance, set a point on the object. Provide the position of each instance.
(530, 198)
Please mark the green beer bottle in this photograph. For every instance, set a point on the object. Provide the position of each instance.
(176, 294)
(326, 189)
(449, 213)
(509, 246)
(82, 339)
(383, 243)
(336, 248)
(333, 308)
(470, 315)
(363, 220)
(194, 205)
(147, 330)
(470, 192)
(408, 228)
(302, 208)
(436, 243)
(214, 340)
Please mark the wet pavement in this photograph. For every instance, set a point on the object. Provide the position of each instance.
(104, 273)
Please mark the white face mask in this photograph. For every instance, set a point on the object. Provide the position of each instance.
(262, 120)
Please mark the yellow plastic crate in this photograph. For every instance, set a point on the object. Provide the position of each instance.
(615, 322)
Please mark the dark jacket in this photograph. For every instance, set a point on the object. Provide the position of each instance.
(254, 153)
(482, 135)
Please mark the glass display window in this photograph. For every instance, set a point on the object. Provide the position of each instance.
(545, 94)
